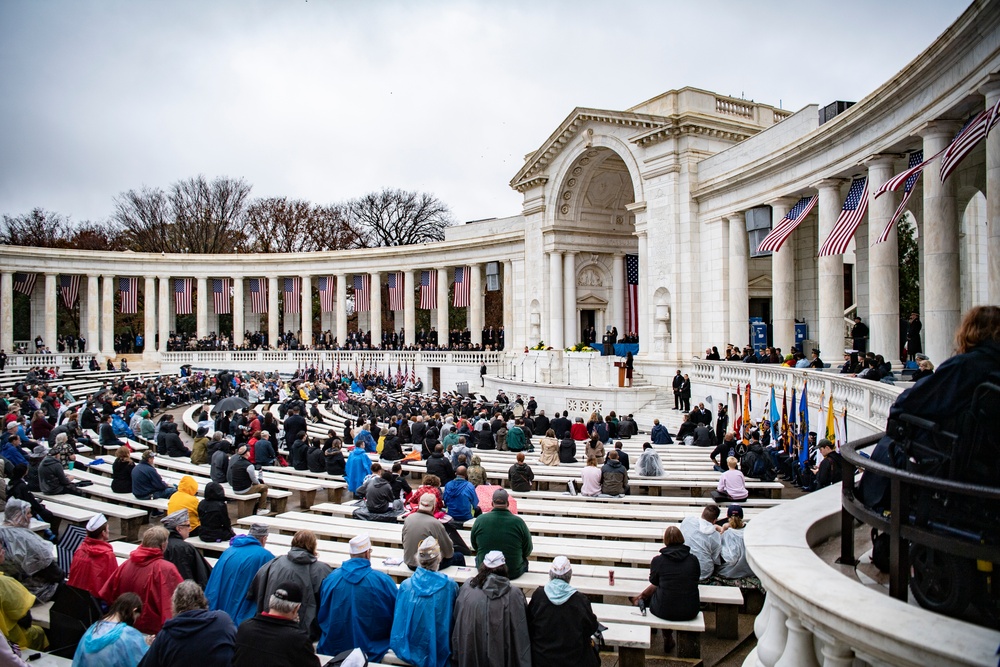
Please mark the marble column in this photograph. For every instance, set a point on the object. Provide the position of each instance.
(50, 312)
(783, 282)
(410, 307)
(341, 309)
(164, 313)
(108, 316)
(618, 295)
(739, 280)
(306, 338)
(992, 92)
(7, 311)
(93, 334)
(883, 263)
(375, 286)
(201, 308)
(475, 318)
(273, 325)
(645, 322)
(239, 312)
(555, 301)
(830, 273)
(508, 301)
(940, 263)
(443, 323)
(571, 320)
(149, 317)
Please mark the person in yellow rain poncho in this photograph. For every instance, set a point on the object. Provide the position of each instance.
(15, 603)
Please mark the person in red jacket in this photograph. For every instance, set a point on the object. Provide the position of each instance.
(149, 576)
(94, 560)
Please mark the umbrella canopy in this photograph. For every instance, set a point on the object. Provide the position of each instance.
(233, 403)
(71, 539)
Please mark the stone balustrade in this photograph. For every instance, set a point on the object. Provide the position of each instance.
(347, 359)
(814, 615)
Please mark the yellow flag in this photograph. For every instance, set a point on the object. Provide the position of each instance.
(831, 429)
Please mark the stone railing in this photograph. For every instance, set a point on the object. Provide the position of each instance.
(60, 359)
(867, 402)
(734, 107)
(814, 615)
(347, 359)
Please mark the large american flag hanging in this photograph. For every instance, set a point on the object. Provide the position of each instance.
(855, 207)
(911, 175)
(258, 295)
(428, 290)
(128, 288)
(293, 294)
(69, 286)
(781, 231)
(396, 300)
(632, 302)
(24, 282)
(462, 283)
(970, 135)
(182, 296)
(362, 297)
(220, 294)
(326, 294)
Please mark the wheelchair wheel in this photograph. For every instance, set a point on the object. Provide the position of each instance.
(939, 582)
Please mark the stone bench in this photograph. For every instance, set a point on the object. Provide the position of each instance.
(129, 519)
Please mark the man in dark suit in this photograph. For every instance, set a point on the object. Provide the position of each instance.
(541, 423)
(678, 384)
(561, 425)
(704, 415)
(294, 424)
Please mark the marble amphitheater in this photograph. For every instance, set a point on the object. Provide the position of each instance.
(689, 182)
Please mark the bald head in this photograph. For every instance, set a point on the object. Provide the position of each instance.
(462, 472)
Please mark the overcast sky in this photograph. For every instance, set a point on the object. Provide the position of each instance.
(326, 100)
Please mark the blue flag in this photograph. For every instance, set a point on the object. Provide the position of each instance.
(804, 426)
(775, 417)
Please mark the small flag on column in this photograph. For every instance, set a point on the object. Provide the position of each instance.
(258, 295)
(326, 294)
(971, 134)
(293, 294)
(462, 282)
(128, 288)
(396, 300)
(855, 207)
(362, 297)
(781, 231)
(24, 282)
(220, 293)
(182, 296)
(69, 286)
(632, 304)
(428, 290)
(908, 179)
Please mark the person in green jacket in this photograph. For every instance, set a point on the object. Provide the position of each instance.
(516, 440)
(499, 530)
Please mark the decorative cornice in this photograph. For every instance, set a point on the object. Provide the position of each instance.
(530, 183)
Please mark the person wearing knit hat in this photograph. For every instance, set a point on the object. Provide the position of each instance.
(561, 621)
(94, 560)
(231, 577)
(424, 606)
(356, 605)
(491, 624)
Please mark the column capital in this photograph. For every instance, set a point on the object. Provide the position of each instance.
(787, 202)
(990, 87)
(937, 128)
(830, 183)
(881, 159)
(736, 215)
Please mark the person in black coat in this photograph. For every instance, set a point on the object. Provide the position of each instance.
(295, 423)
(315, 459)
(439, 465)
(567, 450)
(335, 462)
(392, 447)
(188, 560)
(561, 425)
(121, 471)
(214, 515)
(672, 593)
(195, 635)
(561, 622)
(274, 638)
(299, 451)
(485, 439)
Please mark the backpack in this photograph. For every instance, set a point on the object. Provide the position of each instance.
(120, 427)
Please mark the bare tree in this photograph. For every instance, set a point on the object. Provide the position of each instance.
(39, 228)
(278, 224)
(146, 220)
(397, 217)
(96, 236)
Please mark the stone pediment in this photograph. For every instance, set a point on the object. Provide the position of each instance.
(591, 302)
(531, 174)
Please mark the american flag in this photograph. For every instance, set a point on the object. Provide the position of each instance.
(462, 283)
(781, 231)
(428, 290)
(258, 295)
(182, 296)
(970, 135)
(850, 216)
(399, 373)
(396, 301)
(70, 288)
(128, 288)
(632, 304)
(326, 293)
(24, 282)
(910, 177)
(413, 372)
(293, 294)
(220, 291)
(362, 296)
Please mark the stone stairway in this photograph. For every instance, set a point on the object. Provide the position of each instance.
(662, 408)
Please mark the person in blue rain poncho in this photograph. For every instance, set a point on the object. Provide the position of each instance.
(365, 440)
(113, 641)
(421, 627)
(357, 468)
(356, 605)
(232, 575)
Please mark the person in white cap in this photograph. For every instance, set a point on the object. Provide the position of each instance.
(356, 605)
(94, 560)
(491, 625)
(422, 620)
(561, 621)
